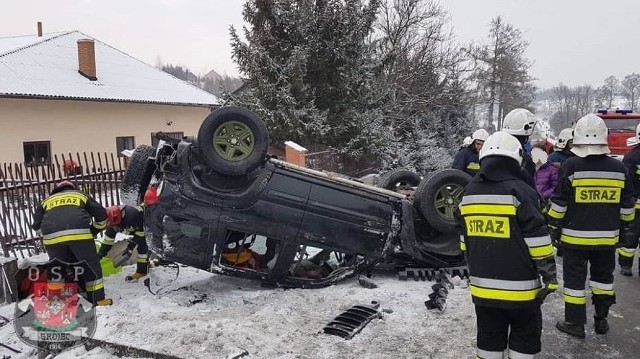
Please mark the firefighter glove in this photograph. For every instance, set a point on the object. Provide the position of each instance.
(547, 289)
(104, 249)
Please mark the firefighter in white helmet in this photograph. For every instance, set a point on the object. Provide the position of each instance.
(627, 250)
(467, 158)
(562, 148)
(508, 249)
(591, 208)
(520, 123)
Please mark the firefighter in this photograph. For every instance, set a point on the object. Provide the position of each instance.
(128, 220)
(628, 249)
(508, 249)
(467, 158)
(64, 219)
(592, 206)
(562, 148)
(520, 123)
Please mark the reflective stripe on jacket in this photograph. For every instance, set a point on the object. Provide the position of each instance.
(506, 240)
(467, 159)
(67, 216)
(132, 224)
(593, 195)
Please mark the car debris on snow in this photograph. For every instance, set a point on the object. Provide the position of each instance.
(351, 322)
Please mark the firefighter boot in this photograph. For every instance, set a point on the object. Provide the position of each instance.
(626, 271)
(134, 277)
(601, 325)
(576, 330)
(104, 302)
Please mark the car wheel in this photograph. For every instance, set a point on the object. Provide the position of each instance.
(233, 141)
(438, 195)
(399, 179)
(137, 175)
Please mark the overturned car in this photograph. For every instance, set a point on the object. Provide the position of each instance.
(221, 203)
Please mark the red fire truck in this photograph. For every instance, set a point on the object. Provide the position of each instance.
(622, 125)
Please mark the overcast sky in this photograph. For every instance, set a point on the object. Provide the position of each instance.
(573, 41)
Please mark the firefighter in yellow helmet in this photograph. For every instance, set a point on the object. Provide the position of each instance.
(592, 206)
(509, 253)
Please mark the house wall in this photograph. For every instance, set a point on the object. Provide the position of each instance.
(79, 126)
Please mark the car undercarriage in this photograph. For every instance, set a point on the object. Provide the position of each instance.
(235, 210)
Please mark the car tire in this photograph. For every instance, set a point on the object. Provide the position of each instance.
(137, 175)
(233, 141)
(398, 178)
(438, 195)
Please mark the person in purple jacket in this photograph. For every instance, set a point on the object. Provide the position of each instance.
(546, 178)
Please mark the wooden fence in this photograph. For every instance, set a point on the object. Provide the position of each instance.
(23, 187)
(334, 161)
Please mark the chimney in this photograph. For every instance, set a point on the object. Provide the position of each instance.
(39, 29)
(87, 59)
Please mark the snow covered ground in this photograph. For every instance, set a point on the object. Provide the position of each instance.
(203, 315)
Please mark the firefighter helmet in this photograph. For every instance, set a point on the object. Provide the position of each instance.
(502, 144)
(480, 135)
(563, 137)
(519, 122)
(590, 136)
(634, 141)
(114, 216)
(590, 130)
(62, 185)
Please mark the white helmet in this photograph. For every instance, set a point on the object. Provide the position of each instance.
(590, 136)
(480, 135)
(565, 136)
(467, 141)
(590, 130)
(519, 122)
(502, 144)
(634, 141)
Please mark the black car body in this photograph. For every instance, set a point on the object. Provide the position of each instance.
(278, 222)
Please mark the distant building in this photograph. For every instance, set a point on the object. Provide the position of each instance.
(67, 92)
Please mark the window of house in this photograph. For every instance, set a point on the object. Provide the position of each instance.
(124, 143)
(37, 153)
(154, 140)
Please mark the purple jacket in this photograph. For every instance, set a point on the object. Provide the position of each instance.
(546, 178)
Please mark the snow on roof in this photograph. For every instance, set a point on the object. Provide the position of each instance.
(47, 67)
(295, 146)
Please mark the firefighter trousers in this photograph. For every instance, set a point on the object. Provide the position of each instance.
(142, 262)
(518, 329)
(628, 250)
(83, 252)
(574, 265)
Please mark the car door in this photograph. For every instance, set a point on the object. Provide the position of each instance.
(346, 219)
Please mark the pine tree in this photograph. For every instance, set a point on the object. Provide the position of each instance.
(310, 70)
